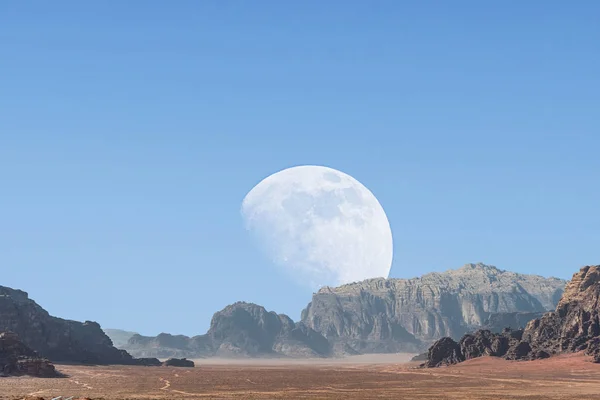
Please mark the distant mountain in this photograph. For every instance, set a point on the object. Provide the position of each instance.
(55, 338)
(391, 315)
(119, 337)
(239, 330)
(372, 316)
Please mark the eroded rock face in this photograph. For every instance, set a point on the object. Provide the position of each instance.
(55, 338)
(444, 352)
(573, 326)
(392, 315)
(16, 358)
(239, 330)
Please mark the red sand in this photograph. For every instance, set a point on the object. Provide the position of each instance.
(563, 377)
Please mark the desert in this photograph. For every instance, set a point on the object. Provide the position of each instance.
(570, 376)
(299, 200)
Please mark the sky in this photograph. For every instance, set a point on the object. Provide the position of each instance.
(130, 133)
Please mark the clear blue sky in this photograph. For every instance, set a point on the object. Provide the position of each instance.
(131, 131)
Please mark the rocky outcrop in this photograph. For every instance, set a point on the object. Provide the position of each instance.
(239, 330)
(16, 358)
(179, 362)
(55, 338)
(506, 344)
(574, 326)
(392, 315)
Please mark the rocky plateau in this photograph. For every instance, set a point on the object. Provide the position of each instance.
(394, 315)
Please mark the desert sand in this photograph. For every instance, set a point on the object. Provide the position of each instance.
(562, 377)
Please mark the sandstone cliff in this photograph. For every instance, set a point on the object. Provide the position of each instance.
(390, 315)
(573, 326)
(55, 338)
(239, 330)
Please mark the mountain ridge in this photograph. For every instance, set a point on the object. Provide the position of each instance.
(381, 315)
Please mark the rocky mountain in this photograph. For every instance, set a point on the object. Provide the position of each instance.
(16, 358)
(573, 326)
(55, 338)
(392, 315)
(239, 330)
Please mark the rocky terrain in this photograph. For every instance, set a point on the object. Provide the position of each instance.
(54, 338)
(574, 326)
(393, 315)
(239, 330)
(18, 359)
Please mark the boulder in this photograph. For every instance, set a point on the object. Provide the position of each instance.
(179, 362)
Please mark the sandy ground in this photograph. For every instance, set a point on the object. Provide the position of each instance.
(564, 377)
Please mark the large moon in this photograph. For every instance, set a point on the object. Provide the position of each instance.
(321, 225)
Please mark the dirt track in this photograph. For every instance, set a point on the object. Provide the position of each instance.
(567, 377)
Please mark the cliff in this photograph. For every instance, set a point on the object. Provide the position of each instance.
(391, 315)
(55, 338)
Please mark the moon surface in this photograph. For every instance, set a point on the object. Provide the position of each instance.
(320, 225)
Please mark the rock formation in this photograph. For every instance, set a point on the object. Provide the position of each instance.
(18, 359)
(179, 362)
(392, 315)
(574, 326)
(239, 330)
(54, 338)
